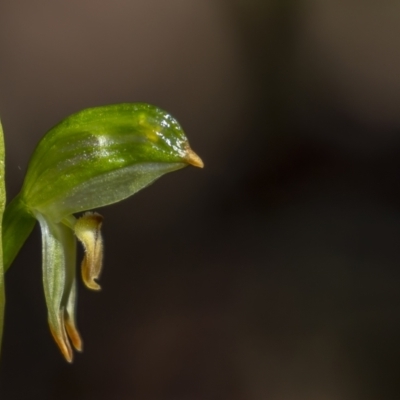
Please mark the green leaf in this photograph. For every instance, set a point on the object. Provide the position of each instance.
(2, 205)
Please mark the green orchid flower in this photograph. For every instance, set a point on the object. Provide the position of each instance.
(96, 157)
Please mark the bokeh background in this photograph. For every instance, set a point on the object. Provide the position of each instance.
(271, 274)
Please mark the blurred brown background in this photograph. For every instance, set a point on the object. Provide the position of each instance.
(271, 274)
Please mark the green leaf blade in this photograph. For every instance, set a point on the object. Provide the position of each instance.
(2, 205)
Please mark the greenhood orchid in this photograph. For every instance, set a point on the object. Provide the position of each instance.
(96, 157)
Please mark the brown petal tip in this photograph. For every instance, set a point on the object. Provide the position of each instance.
(63, 344)
(193, 159)
(73, 334)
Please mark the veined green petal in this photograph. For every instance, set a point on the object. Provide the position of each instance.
(106, 189)
(2, 204)
(102, 155)
(59, 253)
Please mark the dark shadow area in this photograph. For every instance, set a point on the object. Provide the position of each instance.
(271, 274)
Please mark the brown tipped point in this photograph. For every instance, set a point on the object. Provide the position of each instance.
(90, 283)
(63, 346)
(193, 159)
(73, 335)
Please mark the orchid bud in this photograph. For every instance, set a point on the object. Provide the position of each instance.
(96, 157)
